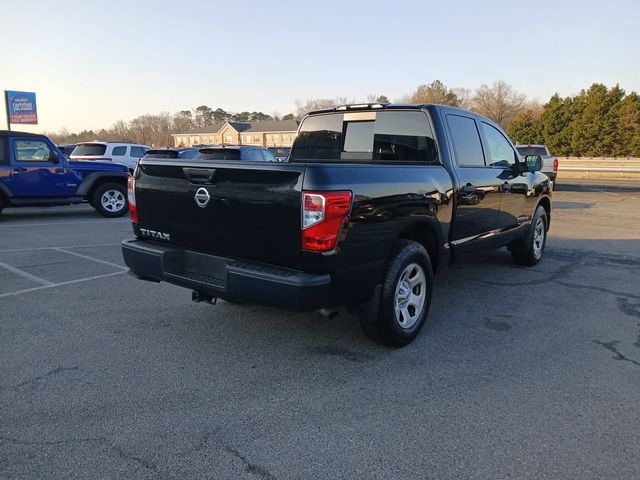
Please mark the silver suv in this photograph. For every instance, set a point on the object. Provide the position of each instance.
(117, 152)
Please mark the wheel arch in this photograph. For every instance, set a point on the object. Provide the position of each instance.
(427, 234)
(95, 181)
(545, 202)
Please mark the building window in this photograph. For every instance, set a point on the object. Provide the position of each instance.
(247, 139)
(285, 138)
(228, 138)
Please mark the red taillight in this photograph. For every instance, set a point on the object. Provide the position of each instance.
(131, 196)
(323, 215)
(555, 165)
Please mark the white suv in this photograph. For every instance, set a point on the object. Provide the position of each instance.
(116, 152)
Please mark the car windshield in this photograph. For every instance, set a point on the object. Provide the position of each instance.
(89, 150)
(219, 154)
(524, 151)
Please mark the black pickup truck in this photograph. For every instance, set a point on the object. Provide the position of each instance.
(373, 200)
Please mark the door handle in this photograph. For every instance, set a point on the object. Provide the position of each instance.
(19, 169)
(469, 188)
(199, 175)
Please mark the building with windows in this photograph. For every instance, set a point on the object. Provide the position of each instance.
(268, 133)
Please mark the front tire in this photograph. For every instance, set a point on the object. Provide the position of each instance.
(405, 298)
(110, 200)
(529, 250)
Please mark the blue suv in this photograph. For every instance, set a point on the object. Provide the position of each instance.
(33, 172)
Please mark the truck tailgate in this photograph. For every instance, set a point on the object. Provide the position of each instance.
(252, 211)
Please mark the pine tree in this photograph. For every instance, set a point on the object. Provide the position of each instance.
(556, 122)
(526, 128)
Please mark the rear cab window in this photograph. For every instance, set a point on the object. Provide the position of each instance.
(526, 150)
(219, 154)
(89, 150)
(161, 154)
(366, 136)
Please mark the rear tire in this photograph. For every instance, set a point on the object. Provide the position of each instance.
(529, 250)
(110, 200)
(405, 298)
(2, 203)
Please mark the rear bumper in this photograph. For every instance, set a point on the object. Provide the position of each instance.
(227, 278)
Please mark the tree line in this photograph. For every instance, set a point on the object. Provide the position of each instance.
(599, 121)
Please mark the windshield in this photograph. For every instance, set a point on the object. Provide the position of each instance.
(89, 150)
(366, 136)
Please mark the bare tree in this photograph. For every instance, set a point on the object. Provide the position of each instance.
(465, 97)
(499, 102)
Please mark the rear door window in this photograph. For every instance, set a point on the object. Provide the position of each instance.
(466, 141)
(119, 151)
(361, 136)
(90, 150)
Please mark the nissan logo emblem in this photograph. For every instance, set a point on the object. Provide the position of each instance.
(202, 197)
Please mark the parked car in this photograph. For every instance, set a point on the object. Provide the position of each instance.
(117, 152)
(549, 162)
(34, 172)
(236, 152)
(66, 148)
(187, 153)
(281, 153)
(373, 200)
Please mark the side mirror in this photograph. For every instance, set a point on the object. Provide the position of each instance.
(53, 157)
(533, 163)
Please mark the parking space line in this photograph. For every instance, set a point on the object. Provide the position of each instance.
(59, 246)
(61, 284)
(26, 275)
(87, 257)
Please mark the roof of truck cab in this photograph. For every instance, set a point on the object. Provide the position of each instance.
(6, 133)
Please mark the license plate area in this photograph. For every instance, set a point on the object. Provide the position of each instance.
(196, 266)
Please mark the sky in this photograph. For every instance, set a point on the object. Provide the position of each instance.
(92, 63)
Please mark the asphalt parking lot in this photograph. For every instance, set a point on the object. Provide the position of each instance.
(520, 373)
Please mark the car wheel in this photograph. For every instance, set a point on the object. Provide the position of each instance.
(110, 200)
(405, 296)
(529, 250)
(2, 203)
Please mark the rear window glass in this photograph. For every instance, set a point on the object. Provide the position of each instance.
(188, 154)
(383, 136)
(524, 151)
(219, 154)
(161, 154)
(89, 150)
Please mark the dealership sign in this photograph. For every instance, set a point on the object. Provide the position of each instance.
(21, 107)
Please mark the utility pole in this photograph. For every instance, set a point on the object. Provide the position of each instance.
(6, 105)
